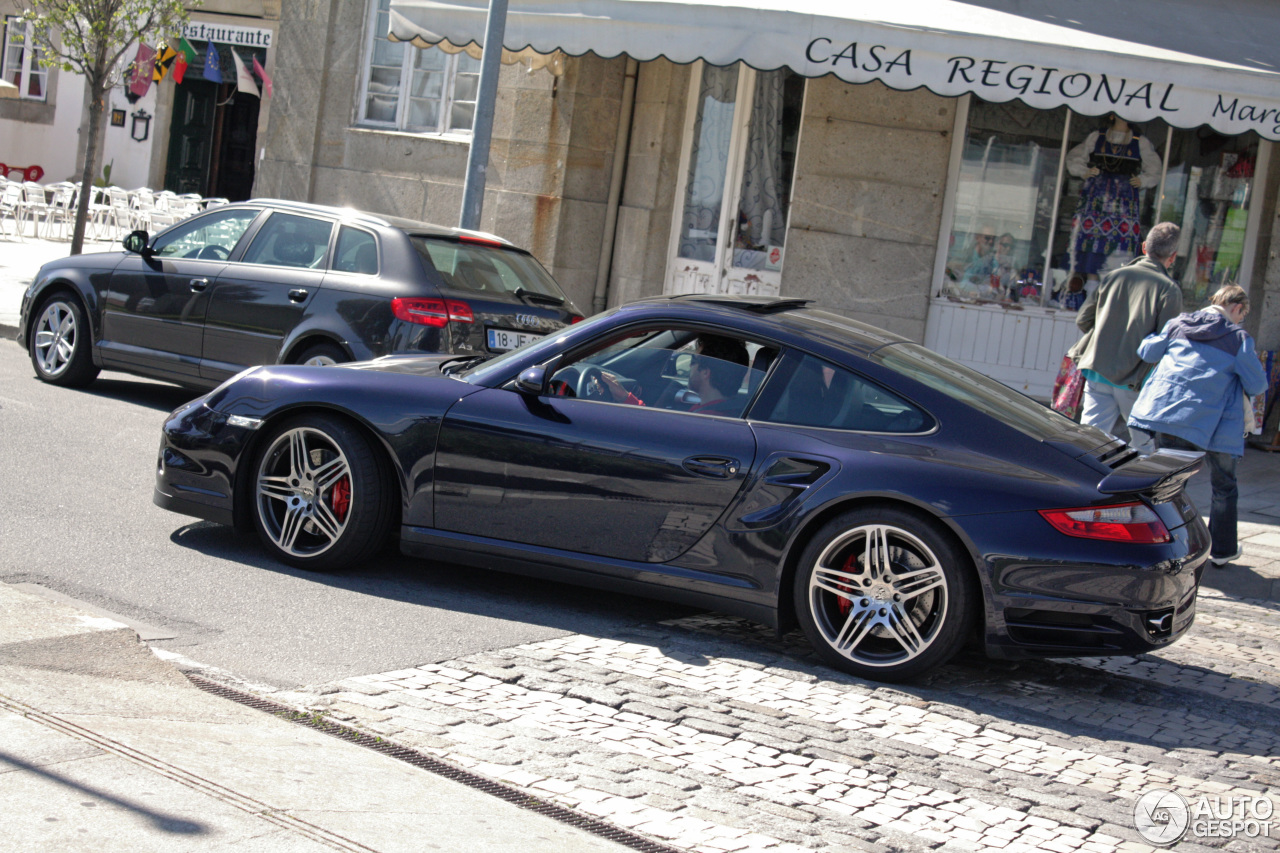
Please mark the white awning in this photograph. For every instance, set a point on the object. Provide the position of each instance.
(1189, 62)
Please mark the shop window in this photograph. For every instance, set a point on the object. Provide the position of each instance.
(22, 62)
(1048, 201)
(423, 90)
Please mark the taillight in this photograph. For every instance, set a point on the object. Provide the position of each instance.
(432, 312)
(576, 318)
(1133, 522)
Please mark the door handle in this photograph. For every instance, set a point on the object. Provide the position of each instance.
(199, 284)
(298, 294)
(716, 467)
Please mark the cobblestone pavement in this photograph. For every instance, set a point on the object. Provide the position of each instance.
(710, 734)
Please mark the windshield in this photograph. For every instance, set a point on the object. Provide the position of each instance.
(488, 271)
(968, 386)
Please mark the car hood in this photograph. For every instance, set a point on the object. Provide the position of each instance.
(416, 365)
(90, 260)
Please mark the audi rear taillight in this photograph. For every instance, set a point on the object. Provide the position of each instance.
(432, 312)
(1132, 522)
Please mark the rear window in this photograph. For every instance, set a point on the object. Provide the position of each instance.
(490, 272)
(970, 387)
(820, 394)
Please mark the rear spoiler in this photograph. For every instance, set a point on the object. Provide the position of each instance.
(1159, 476)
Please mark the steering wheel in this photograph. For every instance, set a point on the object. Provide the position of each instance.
(214, 252)
(591, 384)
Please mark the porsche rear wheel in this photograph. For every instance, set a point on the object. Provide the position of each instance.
(882, 594)
(320, 498)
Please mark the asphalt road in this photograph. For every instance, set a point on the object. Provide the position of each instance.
(76, 478)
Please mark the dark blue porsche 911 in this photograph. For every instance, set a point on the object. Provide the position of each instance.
(756, 456)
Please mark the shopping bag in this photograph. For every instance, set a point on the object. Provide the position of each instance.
(1068, 388)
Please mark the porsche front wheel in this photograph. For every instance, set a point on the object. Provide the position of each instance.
(882, 594)
(320, 499)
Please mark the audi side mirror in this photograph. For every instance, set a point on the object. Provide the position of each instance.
(532, 380)
(138, 242)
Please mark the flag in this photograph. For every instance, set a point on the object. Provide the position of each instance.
(244, 80)
(164, 58)
(186, 56)
(262, 72)
(212, 65)
(139, 78)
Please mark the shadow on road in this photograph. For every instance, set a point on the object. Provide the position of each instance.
(464, 589)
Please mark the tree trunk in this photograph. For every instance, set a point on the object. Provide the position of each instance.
(98, 88)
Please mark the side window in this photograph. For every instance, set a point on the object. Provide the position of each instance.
(288, 240)
(357, 251)
(212, 237)
(813, 392)
(664, 368)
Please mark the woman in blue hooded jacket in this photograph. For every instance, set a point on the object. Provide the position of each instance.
(1195, 399)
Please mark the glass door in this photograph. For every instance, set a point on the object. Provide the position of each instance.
(741, 137)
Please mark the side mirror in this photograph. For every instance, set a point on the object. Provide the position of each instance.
(138, 242)
(532, 380)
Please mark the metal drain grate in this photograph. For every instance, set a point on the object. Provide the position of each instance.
(500, 790)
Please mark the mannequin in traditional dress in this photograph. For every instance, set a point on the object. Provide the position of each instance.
(1116, 164)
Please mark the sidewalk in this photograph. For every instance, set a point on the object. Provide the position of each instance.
(19, 261)
(103, 746)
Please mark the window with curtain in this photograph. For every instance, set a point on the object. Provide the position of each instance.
(1039, 222)
(22, 62)
(423, 90)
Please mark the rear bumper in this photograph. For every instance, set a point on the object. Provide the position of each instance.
(1072, 608)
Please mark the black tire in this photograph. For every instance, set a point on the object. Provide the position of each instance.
(305, 514)
(60, 343)
(885, 625)
(323, 354)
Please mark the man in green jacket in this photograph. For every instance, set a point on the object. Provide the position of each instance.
(1132, 302)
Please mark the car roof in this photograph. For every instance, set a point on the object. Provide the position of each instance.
(791, 315)
(409, 226)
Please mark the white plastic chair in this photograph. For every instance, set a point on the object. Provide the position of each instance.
(61, 210)
(36, 203)
(12, 207)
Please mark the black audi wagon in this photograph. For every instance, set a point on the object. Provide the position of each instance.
(277, 282)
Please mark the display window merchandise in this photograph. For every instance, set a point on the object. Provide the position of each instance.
(1046, 202)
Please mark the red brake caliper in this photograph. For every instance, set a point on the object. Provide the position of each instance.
(340, 498)
(850, 566)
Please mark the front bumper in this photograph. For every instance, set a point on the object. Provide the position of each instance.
(197, 462)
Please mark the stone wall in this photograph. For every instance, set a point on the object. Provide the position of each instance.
(866, 208)
(648, 198)
(550, 159)
(1264, 288)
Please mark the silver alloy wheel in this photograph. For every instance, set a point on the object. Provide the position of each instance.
(878, 595)
(304, 492)
(55, 338)
(320, 361)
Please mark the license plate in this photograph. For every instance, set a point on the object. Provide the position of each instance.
(501, 340)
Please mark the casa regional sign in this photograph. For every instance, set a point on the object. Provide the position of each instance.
(1044, 87)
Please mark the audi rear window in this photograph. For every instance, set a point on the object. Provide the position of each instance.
(487, 271)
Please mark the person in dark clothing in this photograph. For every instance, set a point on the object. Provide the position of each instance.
(716, 372)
